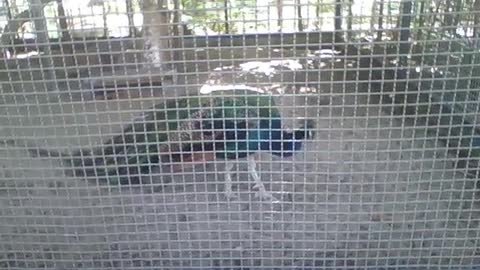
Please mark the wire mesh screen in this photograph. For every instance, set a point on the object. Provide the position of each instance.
(244, 134)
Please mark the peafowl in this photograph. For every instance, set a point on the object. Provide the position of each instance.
(226, 125)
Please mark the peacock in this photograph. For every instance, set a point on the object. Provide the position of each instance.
(227, 125)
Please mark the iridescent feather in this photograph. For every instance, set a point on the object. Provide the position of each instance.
(230, 124)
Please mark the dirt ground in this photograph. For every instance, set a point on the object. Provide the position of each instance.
(369, 190)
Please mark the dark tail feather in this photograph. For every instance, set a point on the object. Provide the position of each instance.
(114, 164)
(81, 163)
(38, 152)
(34, 151)
(71, 161)
(8, 142)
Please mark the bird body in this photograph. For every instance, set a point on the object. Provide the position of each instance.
(227, 125)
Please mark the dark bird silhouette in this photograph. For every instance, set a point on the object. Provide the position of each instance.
(226, 125)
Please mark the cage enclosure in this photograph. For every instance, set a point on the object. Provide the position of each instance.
(287, 134)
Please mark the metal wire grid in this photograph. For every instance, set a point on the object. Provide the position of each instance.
(380, 186)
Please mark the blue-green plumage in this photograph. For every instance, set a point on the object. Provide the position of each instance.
(232, 124)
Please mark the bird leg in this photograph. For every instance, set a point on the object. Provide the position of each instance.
(228, 180)
(262, 193)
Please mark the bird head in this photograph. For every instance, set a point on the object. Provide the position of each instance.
(307, 129)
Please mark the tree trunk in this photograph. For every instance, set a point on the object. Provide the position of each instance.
(176, 18)
(14, 8)
(156, 33)
(389, 14)
(10, 30)
(7, 7)
(62, 18)
(132, 30)
(177, 30)
(421, 21)
(405, 18)
(448, 17)
(46, 61)
(350, 20)
(373, 13)
(435, 13)
(105, 24)
(380, 21)
(432, 20)
(67, 48)
(279, 15)
(338, 21)
(4, 52)
(458, 9)
(225, 14)
(299, 14)
(476, 21)
(256, 15)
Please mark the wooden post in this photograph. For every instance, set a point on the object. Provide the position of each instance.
(279, 15)
(405, 22)
(338, 21)
(156, 25)
(299, 14)
(225, 14)
(9, 12)
(132, 30)
(63, 20)
(380, 21)
(46, 61)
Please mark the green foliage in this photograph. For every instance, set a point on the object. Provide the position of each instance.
(322, 6)
(210, 14)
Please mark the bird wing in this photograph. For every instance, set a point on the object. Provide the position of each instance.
(167, 129)
(163, 131)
